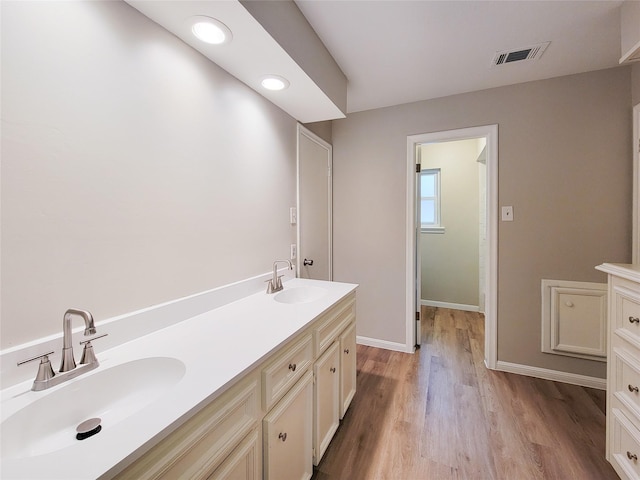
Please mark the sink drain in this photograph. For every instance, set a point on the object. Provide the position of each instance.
(88, 428)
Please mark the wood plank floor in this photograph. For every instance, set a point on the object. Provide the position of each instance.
(440, 414)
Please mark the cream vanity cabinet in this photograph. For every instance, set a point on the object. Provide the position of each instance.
(335, 371)
(623, 369)
(222, 441)
(276, 421)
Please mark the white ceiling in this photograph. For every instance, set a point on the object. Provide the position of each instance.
(251, 55)
(401, 51)
(395, 52)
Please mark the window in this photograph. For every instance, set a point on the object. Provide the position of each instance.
(430, 201)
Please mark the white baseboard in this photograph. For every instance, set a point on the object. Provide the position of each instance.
(453, 306)
(554, 375)
(374, 342)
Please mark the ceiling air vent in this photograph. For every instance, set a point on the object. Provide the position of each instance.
(533, 52)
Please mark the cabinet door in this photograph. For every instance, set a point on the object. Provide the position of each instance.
(287, 431)
(244, 461)
(347, 368)
(326, 402)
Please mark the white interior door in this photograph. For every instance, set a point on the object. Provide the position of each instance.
(314, 206)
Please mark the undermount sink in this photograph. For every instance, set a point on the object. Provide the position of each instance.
(49, 424)
(300, 294)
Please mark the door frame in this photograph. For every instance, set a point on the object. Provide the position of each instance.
(490, 132)
(303, 131)
(635, 246)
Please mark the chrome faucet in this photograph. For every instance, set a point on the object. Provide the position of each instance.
(46, 377)
(275, 284)
(68, 362)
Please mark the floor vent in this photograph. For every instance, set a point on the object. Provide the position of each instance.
(533, 52)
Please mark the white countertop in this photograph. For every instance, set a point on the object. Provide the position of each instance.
(630, 271)
(216, 347)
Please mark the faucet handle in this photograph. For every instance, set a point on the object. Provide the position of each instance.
(88, 355)
(45, 370)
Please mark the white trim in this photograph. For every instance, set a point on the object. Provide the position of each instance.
(302, 130)
(454, 306)
(635, 246)
(553, 375)
(490, 132)
(375, 342)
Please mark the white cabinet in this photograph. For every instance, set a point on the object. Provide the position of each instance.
(244, 461)
(623, 370)
(203, 443)
(347, 368)
(276, 421)
(326, 399)
(334, 370)
(287, 434)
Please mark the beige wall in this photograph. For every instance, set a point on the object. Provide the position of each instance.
(134, 170)
(450, 269)
(564, 164)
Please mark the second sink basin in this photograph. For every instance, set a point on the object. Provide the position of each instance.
(49, 424)
(300, 294)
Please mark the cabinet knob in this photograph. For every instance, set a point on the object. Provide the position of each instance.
(292, 367)
(632, 388)
(632, 456)
(346, 350)
(634, 320)
(283, 436)
(332, 369)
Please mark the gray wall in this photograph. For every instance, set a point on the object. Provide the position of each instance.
(565, 166)
(450, 260)
(134, 170)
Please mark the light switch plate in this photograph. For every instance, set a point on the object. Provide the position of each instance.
(507, 213)
(293, 215)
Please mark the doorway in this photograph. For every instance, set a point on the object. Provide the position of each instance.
(314, 210)
(488, 264)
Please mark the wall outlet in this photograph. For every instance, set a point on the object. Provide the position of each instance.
(294, 251)
(293, 215)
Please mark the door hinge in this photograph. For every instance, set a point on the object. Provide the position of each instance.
(418, 168)
(417, 316)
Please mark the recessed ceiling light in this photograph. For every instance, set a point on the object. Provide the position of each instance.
(210, 30)
(274, 82)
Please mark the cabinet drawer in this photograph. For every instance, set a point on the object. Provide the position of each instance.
(626, 380)
(285, 371)
(333, 323)
(625, 445)
(196, 448)
(626, 314)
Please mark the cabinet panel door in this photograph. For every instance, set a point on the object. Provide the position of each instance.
(347, 368)
(326, 401)
(244, 461)
(288, 434)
